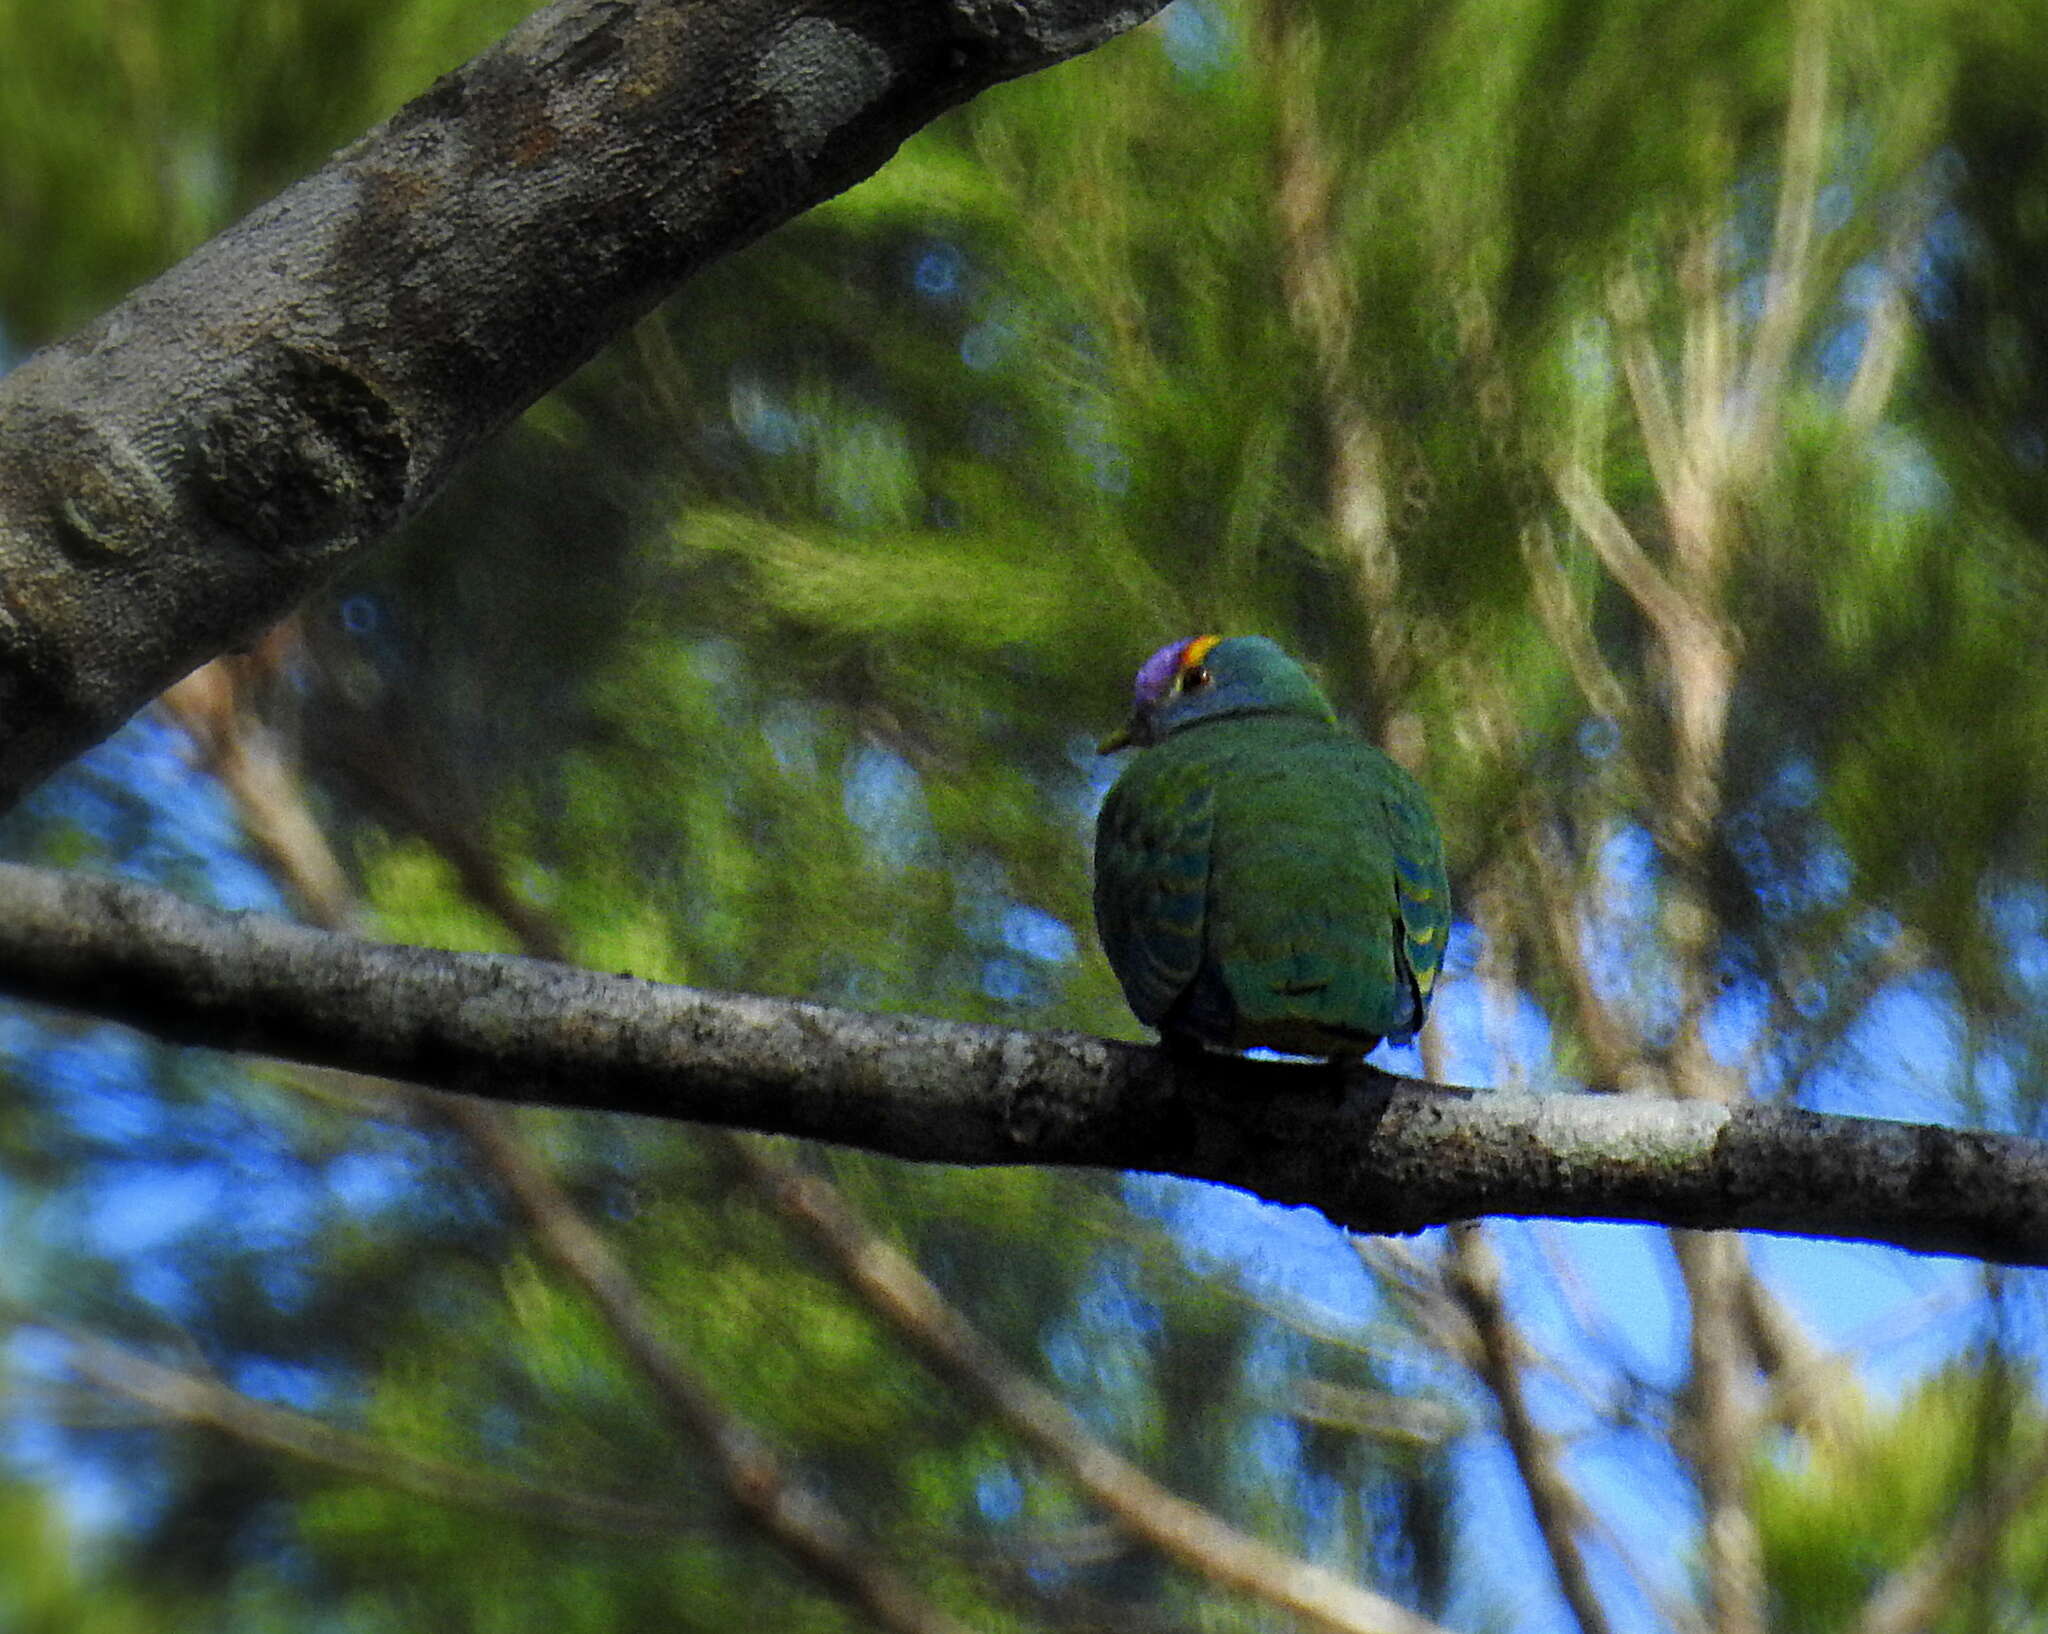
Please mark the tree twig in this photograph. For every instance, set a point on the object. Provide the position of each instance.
(1317, 292)
(1789, 283)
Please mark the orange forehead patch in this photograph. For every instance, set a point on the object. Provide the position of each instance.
(1197, 650)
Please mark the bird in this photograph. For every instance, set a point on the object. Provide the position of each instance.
(1263, 877)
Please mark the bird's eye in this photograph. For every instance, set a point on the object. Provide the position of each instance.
(1193, 680)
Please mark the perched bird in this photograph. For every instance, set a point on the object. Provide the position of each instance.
(1262, 877)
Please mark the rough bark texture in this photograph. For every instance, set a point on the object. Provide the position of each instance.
(177, 475)
(1385, 1155)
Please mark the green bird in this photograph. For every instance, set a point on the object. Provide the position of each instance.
(1262, 877)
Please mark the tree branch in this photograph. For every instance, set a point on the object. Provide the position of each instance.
(762, 1485)
(174, 1394)
(798, 1518)
(1388, 1155)
(1560, 1512)
(1185, 1533)
(177, 475)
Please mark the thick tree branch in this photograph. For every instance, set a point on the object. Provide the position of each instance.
(1390, 1154)
(176, 476)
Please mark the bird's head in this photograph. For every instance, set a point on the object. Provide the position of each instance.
(1206, 676)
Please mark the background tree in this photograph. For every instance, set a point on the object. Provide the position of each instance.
(1660, 484)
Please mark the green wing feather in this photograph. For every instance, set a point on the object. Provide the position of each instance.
(1422, 891)
(1152, 879)
(1304, 925)
(1272, 881)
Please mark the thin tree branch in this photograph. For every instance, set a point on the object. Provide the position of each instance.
(1719, 1408)
(1473, 1278)
(1388, 1154)
(1568, 622)
(1648, 386)
(1706, 375)
(1318, 295)
(1420, 1286)
(383, 757)
(1903, 953)
(1647, 584)
(1789, 282)
(1616, 1047)
(1887, 325)
(174, 1393)
(1184, 1532)
(1380, 1416)
(213, 705)
(1717, 1402)
(1811, 1390)
(1555, 1502)
(176, 476)
(798, 1519)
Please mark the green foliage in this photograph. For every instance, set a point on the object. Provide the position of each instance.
(1845, 1513)
(133, 133)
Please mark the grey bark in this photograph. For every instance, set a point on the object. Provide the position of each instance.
(177, 475)
(1373, 1152)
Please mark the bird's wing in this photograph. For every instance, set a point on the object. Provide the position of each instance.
(1422, 892)
(1152, 881)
